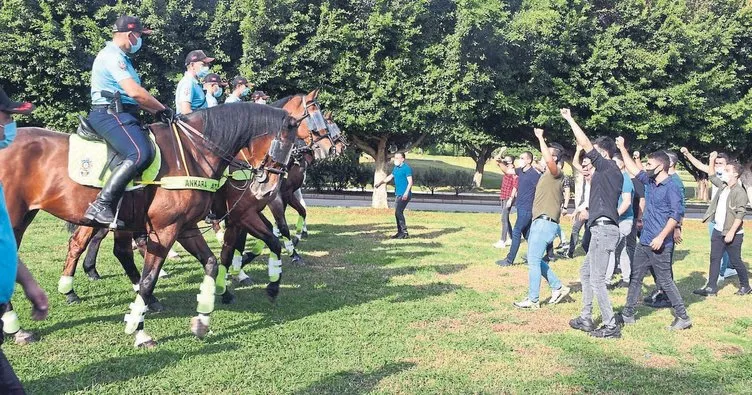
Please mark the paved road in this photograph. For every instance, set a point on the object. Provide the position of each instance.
(447, 207)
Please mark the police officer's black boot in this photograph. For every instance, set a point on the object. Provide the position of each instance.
(102, 210)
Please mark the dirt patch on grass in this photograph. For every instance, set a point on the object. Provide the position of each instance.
(541, 360)
(657, 361)
(534, 321)
(486, 278)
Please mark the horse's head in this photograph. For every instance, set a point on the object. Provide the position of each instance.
(269, 155)
(335, 134)
(313, 129)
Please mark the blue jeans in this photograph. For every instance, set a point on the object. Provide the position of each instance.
(542, 234)
(521, 227)
(725, 271)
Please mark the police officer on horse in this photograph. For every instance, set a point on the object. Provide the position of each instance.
(116, 98)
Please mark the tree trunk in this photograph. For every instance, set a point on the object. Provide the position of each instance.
(379, 198)
(480, 156)
(702, 190)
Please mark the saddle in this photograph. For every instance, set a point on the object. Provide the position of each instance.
(91, 160)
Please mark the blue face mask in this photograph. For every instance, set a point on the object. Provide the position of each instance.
(203, 72)
(217, 93)
(246, 92)
(135, 47)
(10, 134)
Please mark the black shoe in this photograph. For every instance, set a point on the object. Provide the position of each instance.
(402, 236)
(605, 332)
(680, 323)
(581, 324)
(744, 291)
(707, 291)
(624, 319)
(660, 304)
(101, 210)
(653, 296)
(396, 235)
(504, 262)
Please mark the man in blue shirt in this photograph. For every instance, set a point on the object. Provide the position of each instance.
(626, 218)
(113, 73)
(12, 270)
(240, 88)
(214, 87)
(189, 96)
(662, 215)
(527, 180)
(402, 175)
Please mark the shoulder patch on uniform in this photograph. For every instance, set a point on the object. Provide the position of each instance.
(121, 64)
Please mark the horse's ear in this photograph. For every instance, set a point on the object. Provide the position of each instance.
(313, 94)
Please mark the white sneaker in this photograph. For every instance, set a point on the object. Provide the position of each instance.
(527, 304)
(500, 244)
(508, 243)
(558, 294)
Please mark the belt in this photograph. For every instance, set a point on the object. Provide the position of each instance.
(129, 108)
(547, 218)
(602, 221)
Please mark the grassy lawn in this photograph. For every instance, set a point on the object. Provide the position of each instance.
(430, 314)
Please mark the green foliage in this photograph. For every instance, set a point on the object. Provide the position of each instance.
(432, 179)
(460, 181)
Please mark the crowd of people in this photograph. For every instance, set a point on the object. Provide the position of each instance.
(632, 213)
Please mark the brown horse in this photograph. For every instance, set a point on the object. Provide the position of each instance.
(244, 216)
(211, 139)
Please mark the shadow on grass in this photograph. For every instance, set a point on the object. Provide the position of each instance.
(354, 382)
(118, 369)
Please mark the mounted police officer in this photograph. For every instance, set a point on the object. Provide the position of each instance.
(189, 96)
(116, 97)
(214, 87)
(240, 88)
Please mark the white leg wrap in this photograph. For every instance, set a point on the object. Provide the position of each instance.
(205, 298)
(276, 232)
(241, 275)
(237, 263)
(289, 246)
(204, 319)
(136, 316)
(11, 324)
(141, 338)
(65, 284)
(136, 287)
(275, 269)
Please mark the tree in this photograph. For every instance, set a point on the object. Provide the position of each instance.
(432, 178)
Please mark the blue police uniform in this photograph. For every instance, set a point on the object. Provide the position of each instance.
(122, 130)
(190, 91)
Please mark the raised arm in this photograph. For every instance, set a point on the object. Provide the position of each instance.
(547, 157)
(629, 163)
(694, 161)
(506, 169)
(582, 139)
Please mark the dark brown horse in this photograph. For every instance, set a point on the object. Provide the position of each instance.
(218, 135)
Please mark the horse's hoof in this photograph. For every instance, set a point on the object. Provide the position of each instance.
(297, 259)
(149, 344)
(72, 298)
(272, 290)
(93, 275)
(23, 337)
(246, 282)
(198, 328)
(155, 307)
(304, 235)
(228, 298)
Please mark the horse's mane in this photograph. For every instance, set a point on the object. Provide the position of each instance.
(232, 126)
(281, 102)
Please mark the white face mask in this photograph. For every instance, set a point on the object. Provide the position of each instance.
(725, 177)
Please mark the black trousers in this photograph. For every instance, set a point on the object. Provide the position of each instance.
(717, 247)
(9, 383)
(399, 213)
(574, 238)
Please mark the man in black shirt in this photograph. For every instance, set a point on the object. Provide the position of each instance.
(605, 189)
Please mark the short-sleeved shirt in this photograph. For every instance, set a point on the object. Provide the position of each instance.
(508, 183)
(8, 255)
(111, 66)
(605, 187)
(676, 179)
(526, 183)
(400, 174)
(662, 201)
(627, 187)
(190, 91)
(548, 196)
(639, 193)
(232, 99)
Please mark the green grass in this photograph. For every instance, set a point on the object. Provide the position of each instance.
(431, 314)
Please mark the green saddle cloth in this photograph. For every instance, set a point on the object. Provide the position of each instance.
(89, 163)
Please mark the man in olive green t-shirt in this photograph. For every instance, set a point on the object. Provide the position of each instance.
(545, 227)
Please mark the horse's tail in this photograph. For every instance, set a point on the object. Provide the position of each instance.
(71, 227)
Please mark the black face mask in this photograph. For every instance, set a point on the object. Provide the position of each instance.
(652, 173)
